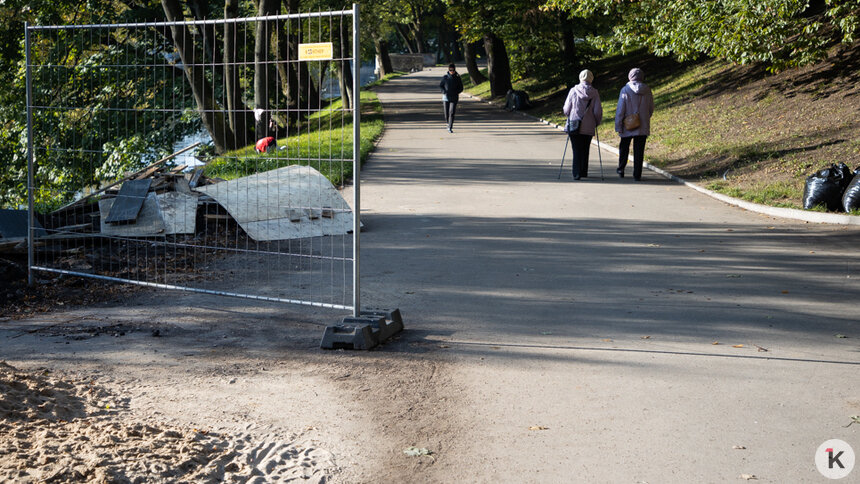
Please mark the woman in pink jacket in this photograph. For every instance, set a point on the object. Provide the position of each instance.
(583, 103)
(635, 98)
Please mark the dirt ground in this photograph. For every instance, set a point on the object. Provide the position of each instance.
(119, 392)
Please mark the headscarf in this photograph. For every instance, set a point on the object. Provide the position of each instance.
(586, 76)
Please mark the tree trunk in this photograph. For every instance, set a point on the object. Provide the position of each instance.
(237, 113)
(306, 90)
(568, 53)
(475, 75)
(444, 44)
(204, 95)
(286, 69)
(344, 71)
(383, 57)
(418, 34)
(200, 10)
(498, 65)
(405, 35)
(455, 44)
(265, 28)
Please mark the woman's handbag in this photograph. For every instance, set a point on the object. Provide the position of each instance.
(572, 125)
(632, 121)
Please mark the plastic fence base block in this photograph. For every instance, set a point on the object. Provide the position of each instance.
(349, 336)
(388, 321)
(374, 326)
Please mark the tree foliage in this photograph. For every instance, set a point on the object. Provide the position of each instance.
(780, 33)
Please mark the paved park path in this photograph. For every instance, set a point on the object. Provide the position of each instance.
(653, 334)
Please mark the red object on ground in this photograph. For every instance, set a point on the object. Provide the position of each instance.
(265, 144)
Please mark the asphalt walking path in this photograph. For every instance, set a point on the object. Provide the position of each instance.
(603, 330)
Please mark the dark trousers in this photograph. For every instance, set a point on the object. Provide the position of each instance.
(638, 154)
(581, 144)
(450, 109)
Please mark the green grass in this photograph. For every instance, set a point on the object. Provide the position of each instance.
(384, 79)
(325, 143)
(780, 194)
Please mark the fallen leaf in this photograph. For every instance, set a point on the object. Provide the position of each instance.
(760, 348)
(738, 447)
(645, 337)
(538, 427)
(737, 346)
(840, 336)
(415, 451)
(855, 419)
(733, 276)
(715, 343)
(606, 340)
(749, 477)
(444, 346)
(785, 292)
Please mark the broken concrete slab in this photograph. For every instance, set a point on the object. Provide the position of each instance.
(283, 204)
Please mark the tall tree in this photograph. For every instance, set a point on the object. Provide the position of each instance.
(470, 51)
(265, 29)
(498, 65)
(490, 22)
(237, 114)
(201, 88)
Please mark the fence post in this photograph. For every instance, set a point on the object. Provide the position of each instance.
(356, 161)
(30, 176)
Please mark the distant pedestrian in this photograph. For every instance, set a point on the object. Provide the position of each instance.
(451, 87)
(266, 145)
(633, 121)
(583, 104)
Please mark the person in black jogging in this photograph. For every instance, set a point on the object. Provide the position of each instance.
(451, 87)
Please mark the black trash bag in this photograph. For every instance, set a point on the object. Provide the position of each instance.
(517, 100)
(825, 187)
(851, 197)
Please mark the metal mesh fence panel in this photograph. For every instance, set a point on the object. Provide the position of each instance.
(205, 155)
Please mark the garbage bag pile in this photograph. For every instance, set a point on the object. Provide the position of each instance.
(835, 187)
(851, 197)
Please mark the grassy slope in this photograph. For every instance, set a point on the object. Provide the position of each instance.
(734, 129)
(324, 142)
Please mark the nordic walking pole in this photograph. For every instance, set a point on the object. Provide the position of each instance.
(598, 152)
(567, 137)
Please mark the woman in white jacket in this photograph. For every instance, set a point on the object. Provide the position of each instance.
(583, 103)
(635, 98)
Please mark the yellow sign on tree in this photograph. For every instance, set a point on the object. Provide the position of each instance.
(320, 51)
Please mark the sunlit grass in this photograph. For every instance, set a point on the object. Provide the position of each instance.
(325, 144)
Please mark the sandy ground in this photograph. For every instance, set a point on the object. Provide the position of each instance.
(601, 331)
(220, 393)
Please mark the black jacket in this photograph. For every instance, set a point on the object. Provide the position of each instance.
(451, 86)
